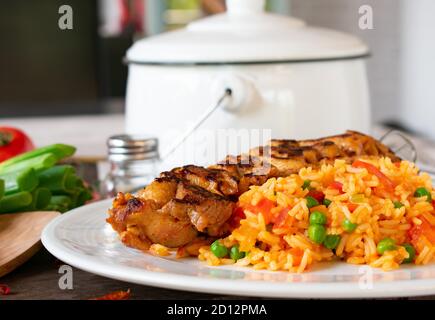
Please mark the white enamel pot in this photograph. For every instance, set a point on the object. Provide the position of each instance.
(288, 78)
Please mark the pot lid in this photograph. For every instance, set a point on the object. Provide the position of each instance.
(246, 34)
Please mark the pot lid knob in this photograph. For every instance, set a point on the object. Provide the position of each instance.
(245, 6)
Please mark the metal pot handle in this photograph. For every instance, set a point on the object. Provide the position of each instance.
(226, 94)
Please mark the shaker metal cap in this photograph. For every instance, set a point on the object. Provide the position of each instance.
(126, 147)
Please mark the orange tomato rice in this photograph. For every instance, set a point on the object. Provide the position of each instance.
(274, 232)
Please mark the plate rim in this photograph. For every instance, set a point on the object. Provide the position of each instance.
(247, 288)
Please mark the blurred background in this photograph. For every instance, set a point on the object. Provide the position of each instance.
(47, 72)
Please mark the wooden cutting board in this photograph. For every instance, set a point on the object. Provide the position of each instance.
(20, 235)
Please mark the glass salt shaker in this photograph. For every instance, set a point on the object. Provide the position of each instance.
(133, 163)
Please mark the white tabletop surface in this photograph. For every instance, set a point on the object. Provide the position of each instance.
(90, 132)
(87, 132)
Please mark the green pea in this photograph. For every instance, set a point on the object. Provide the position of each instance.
(311, 202)
(317, 217)
(218, 249)
(332, 241)
(327, 202)
(397, 204)
(235, 253)
(317, 233)
(348, 226)
(411, 252)
(306, 184)
(422, 192)
(386, 244)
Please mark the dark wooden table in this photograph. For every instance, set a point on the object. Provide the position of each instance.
(39, 277)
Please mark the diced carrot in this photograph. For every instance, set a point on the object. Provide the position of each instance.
(297, 255)
(264, 207)
(352, 206)
(282, 218)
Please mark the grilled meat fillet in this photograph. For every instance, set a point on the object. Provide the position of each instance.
(190, 203)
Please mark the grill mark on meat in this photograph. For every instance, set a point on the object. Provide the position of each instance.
(285, 152)
(166, 177)
(327, 143)
(350, 153)
(134, 204)
(193, 194)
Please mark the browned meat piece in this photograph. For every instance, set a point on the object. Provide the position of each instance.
(206, 210)
(164, 228)
(289, 156)
(172, 211)
(190, 205)
(141, 221)
(160, 191)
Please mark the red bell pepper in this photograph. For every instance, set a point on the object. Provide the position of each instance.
(238, 214)
(386, 182)
(424, 229)
(336, 185)
(316, 194)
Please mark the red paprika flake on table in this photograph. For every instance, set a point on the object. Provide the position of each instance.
(4, 290)
(116, 295)
(13, 142)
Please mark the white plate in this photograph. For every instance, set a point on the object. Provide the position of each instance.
(83, 239)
